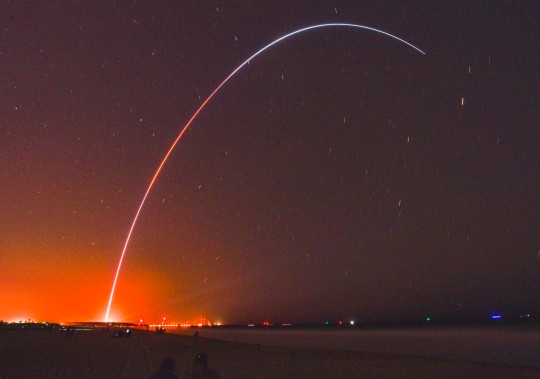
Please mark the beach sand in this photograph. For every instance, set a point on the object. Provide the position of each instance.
(93, 354)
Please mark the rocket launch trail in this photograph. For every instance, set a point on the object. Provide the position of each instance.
(201, 107)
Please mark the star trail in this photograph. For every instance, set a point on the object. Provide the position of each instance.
(341, 175)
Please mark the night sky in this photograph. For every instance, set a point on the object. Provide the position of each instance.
(340, 175)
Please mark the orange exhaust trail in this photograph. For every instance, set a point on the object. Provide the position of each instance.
(186, 127)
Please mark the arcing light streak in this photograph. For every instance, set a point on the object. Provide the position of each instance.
(186, 127)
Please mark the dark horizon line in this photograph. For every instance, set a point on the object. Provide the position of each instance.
(493, 320)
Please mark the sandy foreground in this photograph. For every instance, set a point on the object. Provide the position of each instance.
(92, 354)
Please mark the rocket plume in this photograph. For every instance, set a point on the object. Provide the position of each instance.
(186, 127)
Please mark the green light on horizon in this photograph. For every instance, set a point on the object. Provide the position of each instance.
(428, 318)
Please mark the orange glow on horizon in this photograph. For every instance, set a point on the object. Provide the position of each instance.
(71, 291)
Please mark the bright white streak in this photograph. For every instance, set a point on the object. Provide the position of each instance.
(186, 127)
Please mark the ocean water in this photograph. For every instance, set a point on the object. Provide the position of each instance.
(507, 345)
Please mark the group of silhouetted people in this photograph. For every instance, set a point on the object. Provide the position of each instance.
(122, 333)
(200, 369)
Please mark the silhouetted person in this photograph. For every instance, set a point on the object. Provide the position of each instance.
(160, 330)
(166, 370)
(200, 368)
